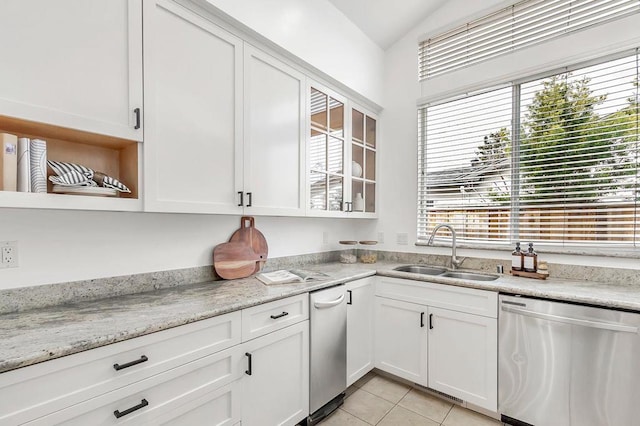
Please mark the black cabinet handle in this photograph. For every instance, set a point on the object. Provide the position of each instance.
(350, 302)
(137, 113)
(283, 314)
(119, 367)
(421, 319)
(142, 404)
(430, 321)
(250, 369)
(241, 194)
(250, 199)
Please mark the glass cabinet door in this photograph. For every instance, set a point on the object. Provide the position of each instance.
(363, 162)
(326, 151)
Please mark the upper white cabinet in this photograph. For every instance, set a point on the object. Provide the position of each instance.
(73, 63)
(274, 151)
(341, 159)
(193, 99)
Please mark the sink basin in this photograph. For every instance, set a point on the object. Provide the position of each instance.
(421, 269)
(469, 276)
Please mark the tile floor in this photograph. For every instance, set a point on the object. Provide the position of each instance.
(378, 400)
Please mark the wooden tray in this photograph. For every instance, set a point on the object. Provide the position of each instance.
(529, 275)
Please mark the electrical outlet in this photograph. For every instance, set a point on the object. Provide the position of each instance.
(325, 237)
(9, 254)
(402, 238)
(380, 237)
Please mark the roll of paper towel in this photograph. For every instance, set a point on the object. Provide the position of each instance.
(24, 165)
(38, 156)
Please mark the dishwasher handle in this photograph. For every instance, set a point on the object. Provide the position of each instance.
(325, 305)
(572, 321)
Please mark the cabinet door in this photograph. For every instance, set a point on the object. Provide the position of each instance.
(276, 384)
(274, 136)
(73, 63)
(360, 297)
(401, 339)
(326, 149)
(363, 155)
(193, 94)
(463, 356)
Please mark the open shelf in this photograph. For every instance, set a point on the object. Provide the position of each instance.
(118, 158)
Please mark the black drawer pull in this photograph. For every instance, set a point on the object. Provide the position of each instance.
(250, 369)
(430, 321)
(250, 197)
(284, 314)
(119, 367)
(142, 404)
(241, 194)
(350, 302)
(421, 319)
(142, 359)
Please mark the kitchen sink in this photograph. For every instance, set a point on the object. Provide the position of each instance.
(443, 272)
(469, 276)
(421, 269)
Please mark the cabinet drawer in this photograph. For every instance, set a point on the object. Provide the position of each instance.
(165, 397)
(37, 390)
(462, 299)
(262, 319)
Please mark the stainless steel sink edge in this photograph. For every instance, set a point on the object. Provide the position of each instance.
(440, 272)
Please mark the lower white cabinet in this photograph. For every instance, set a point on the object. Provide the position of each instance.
(401, 339)
(447, 341)
(275, 387)
(463, 350)
(360, 328)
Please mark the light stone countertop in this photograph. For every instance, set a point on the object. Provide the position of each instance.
(38, 335)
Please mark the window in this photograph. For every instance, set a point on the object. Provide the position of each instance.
(551, 160)
(518, 26)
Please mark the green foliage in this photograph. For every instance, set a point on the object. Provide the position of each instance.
(564, 140)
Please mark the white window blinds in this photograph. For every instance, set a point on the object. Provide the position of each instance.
(567, 175)
(520, 25)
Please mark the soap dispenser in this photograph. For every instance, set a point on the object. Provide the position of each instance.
(516, 259)
(530, 260)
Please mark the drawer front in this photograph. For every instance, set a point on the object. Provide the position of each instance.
(266, 318)
(461, 299)
(37, 390)
(207, 385)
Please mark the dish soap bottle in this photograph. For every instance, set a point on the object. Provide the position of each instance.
(516, 259)
(530, 260)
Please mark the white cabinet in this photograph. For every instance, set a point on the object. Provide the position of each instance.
(360, 327)
(276, 382)
(401, 339)
(274, 150)
(463, 350)
(193, 99)
(73, 63)
(443, 337)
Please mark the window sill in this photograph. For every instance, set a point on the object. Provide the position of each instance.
(622, 252)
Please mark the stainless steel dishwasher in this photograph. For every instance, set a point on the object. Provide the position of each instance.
(564, 364)
(328, 351)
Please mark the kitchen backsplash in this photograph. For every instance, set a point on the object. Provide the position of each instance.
(21, 299)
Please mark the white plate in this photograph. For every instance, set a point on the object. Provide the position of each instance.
(85, 190)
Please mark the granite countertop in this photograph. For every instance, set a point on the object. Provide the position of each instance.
(42, 334)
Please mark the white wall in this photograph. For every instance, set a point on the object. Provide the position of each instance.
(318, 33)
(399, 122)
(58, 246)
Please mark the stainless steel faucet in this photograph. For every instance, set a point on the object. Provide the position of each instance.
(455, 262)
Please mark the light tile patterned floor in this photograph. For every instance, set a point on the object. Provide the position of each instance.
(378, 400)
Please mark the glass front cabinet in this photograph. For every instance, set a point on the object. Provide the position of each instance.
(342, 155)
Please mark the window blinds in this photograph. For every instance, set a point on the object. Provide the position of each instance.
(520, 25)
(568, 175)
